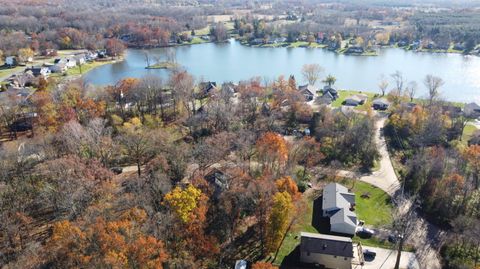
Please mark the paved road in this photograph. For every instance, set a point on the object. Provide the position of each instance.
(427, 237)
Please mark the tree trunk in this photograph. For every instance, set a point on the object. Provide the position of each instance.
(138, 168)
(399, 253)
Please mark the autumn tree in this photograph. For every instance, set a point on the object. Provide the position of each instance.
(183, 202)
(114, 47)
(25, 54)
(106, 243)
(278, 221)
(311, 73)
(263, 265)
(272, 150)
(472, 155)
(138, 143)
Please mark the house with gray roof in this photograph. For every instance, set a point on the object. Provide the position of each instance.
(338, 204)
(327, 250)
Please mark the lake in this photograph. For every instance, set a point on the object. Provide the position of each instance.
(234, 62)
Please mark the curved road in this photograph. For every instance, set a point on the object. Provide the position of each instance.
(427, 238)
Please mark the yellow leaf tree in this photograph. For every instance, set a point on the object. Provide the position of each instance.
(278, 220)
(183, 202)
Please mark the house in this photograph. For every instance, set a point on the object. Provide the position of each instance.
(356, 99)
(71, 62)
(39, 71)
(337, 204)
(10, 61)
(328, 251)
(355, 50)
(329, 89)
(308, 91)
(380, 104)
(218, 180)
(206, 88)
(58, 68)
(472, 110)
(326, 99)
(80, 59)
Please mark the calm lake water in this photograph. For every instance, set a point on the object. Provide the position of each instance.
(234, 62)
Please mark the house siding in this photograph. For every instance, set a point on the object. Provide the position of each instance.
(332, 262)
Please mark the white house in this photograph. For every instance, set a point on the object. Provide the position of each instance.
(58, 68)
(337, 204)
(330, 251)
(70, 62)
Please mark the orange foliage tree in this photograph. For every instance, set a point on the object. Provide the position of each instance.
(113, 244)
(263, 265)
(272, 150)
(472, 155)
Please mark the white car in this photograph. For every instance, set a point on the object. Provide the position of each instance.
(363, 230)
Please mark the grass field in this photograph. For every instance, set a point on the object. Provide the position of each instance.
(468, 132)
(7, 72)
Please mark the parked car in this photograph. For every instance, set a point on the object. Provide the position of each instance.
(369, 254)
(309, 185)
(365, 231)
(117, 170)
(393, 238)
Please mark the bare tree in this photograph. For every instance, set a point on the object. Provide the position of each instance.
(404, 218)
(383, 84)
(399, 80)
(311, 73)
(411, 90)
(433, 83)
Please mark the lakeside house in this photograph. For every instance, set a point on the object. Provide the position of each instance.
(472, 110)
(328, 251)
(58, 68)
(338, 204)
(308, 91)
(356, 100)
(39, 71)
(380, 104)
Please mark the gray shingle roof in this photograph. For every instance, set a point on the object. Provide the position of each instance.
(326, 244)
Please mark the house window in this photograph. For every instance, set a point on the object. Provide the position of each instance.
(335, 257)
(345, 258)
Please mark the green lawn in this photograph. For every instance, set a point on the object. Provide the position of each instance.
(304, 225)
(195, 40)
(468, 132)
(7, 72)
(376, 211)
(163, 65)
(86, 67)
(343, 94)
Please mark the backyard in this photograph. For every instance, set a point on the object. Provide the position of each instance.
(376, 211)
